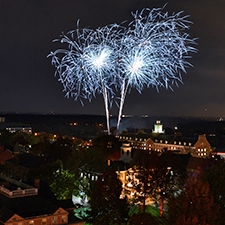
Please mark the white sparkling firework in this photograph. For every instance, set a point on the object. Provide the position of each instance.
(88, 66)
(151, 52)
(154, 52)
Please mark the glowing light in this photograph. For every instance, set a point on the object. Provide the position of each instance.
(151, 51)
(88, 66)
(154, 51)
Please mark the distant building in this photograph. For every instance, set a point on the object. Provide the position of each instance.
(5, 154)
(2, 119)
(125, 155)
(158, 128)
(198, 148)
(16, 127)
(19, 128)
(202, 147)
(21, 164)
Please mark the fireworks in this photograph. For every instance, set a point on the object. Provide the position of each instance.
(155, 50)
(88, 66)
(151, 51)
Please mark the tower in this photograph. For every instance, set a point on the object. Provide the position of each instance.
(125, 152)
(158, 128)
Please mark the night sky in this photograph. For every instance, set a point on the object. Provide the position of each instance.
(27, 82)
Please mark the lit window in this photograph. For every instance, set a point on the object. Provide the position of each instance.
(54, 219)
(44, 222)
(64, 220)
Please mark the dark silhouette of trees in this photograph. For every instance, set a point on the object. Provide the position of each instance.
(215, 176)
(41, 148)
(194, 205)
(107, 143)
(106, 206)
(159, 176)
(143, 219)
(61, 149)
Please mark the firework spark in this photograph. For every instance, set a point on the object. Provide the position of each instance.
(152, 51)
(155, 49)
(88, 66)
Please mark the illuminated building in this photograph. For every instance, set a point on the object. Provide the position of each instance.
(158, 128)
(198, 148)
(20, 204)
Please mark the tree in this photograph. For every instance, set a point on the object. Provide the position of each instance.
(41, 148)
(86, 164)
(143, 219)
(106, 206)
(61, 149)
(159, 176)
(63, 183)
(215, 176)
(194, 205)
(216, 179)
(167, 178)
(106, 142)
(60, 179)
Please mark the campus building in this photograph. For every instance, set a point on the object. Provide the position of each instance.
(20, 204)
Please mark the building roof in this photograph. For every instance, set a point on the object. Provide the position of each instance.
(29, 206)
(28, 160)
(119, 165)
(202, 142)
(195, 163)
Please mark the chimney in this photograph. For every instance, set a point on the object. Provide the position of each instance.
(37, 183)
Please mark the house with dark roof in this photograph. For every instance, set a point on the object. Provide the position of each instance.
(5, 154)
(20, 165)
(30, 210)
(20, 204)
(195, 165)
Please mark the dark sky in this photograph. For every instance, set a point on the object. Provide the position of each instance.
(27, 82)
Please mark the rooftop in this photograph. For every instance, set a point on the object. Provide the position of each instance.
(13, 188)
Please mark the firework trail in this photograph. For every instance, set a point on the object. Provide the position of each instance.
(88, 65)
(153, 52)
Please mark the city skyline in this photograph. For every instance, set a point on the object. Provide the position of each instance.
(28, 84)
